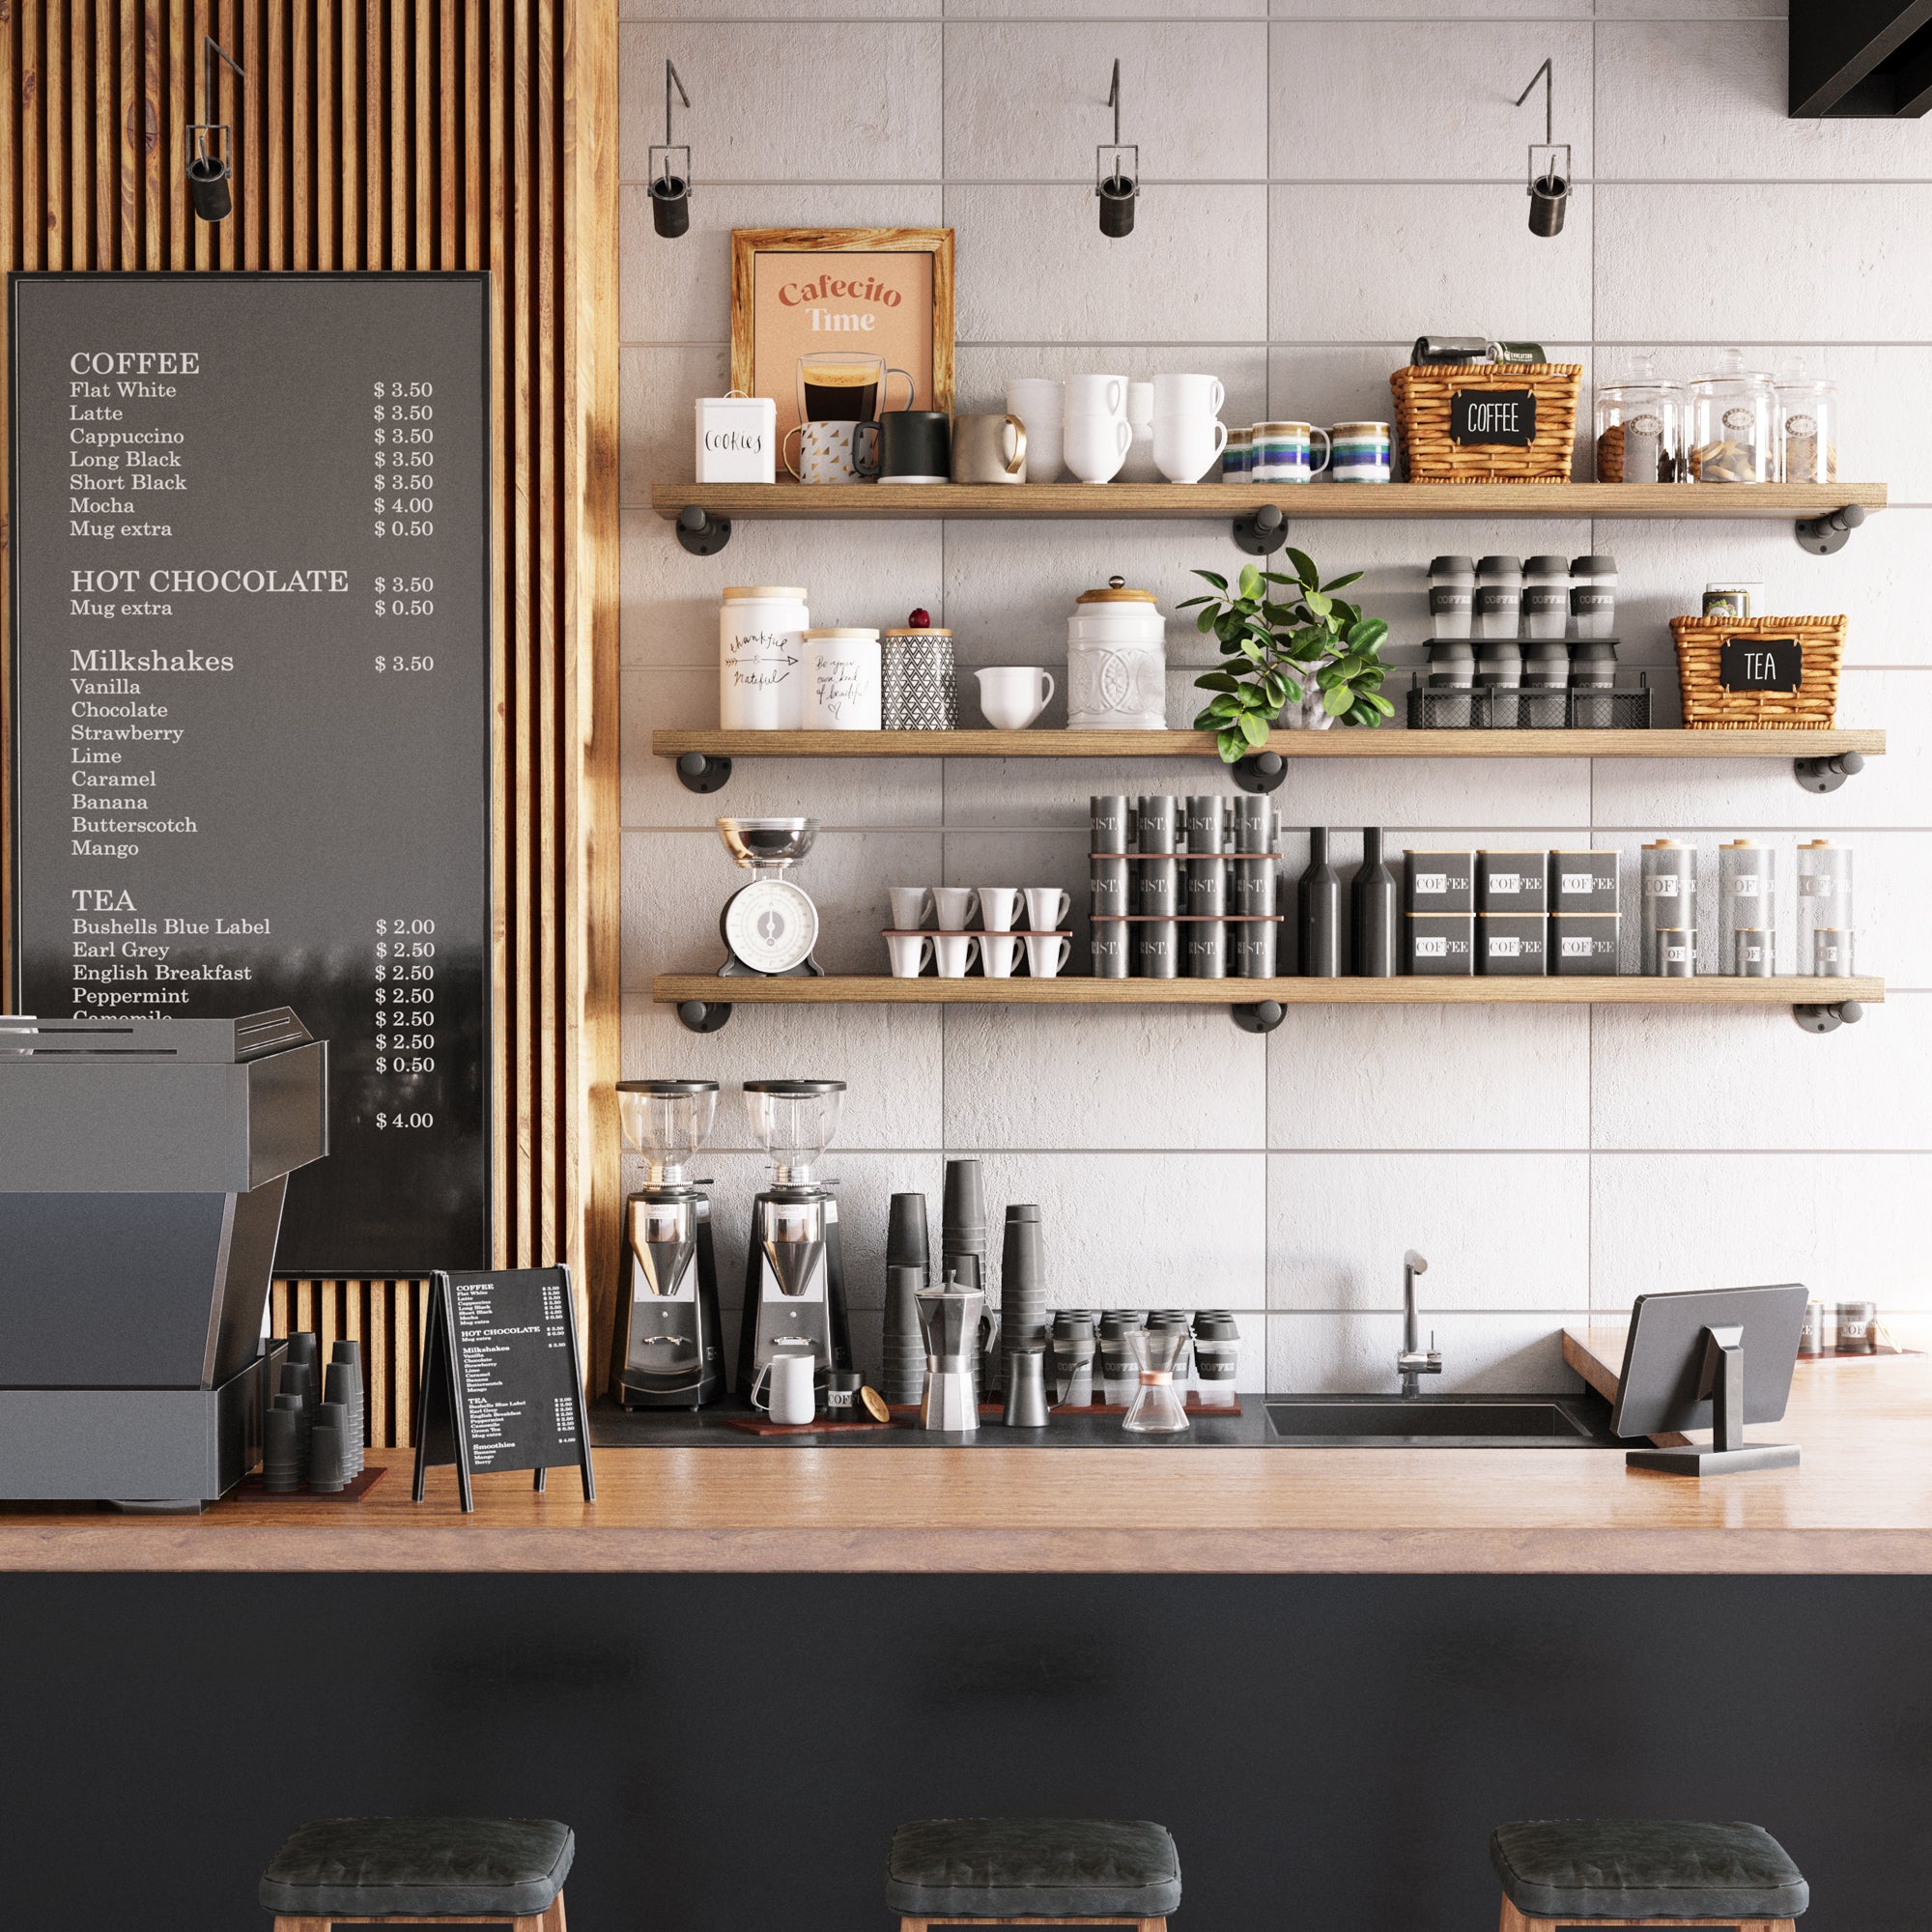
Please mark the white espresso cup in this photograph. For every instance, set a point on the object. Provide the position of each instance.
(999, 954)
(909, 952)
(912, 906)
(1013, 695)
(1096, 396)
(1096, 446)
(1046, 954)
(1188, 396)
(792, 1398)
(953, 907)
(1000, 907)
(954, 952)
(1046, 906)
(1185, 448)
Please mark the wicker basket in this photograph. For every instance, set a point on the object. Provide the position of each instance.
(1422, 413)
(1709, 707)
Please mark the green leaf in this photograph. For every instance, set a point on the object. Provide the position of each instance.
(1214, 680)
(1318, 604)
(1251, 650)
(1255, 729)
(1189, 603)
(1304, 566)
(1213, 577)
(1232, 746)
(1251, 582)
(1207, 619)
(1337, 699)
(1226, 706)
(1381, 704)
(1366, 633)
(1205, 721)
(1339, 583)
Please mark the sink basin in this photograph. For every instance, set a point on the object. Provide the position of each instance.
(1438, 1421)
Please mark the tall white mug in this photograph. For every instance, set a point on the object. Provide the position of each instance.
(1187, 448)
(1096, 396)
(1188, 396)
(1097, 446)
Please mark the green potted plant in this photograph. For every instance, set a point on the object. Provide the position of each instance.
(1288, 641)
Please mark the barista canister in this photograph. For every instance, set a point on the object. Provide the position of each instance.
(761, 657)
(841, 680)
(1115, 661)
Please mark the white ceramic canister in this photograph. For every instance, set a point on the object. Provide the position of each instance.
(738, 439)
(843, 683)
(761, 657)
(1115, 661)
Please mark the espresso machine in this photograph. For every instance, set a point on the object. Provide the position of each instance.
(794, 1268)
(669, 1352)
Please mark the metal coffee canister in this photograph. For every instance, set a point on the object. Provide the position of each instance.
(1747, 885)
(1669, 888)
(1251, 823)
(1159, 885)
(1857, 1328)
(1159, 949)
(1110, 818)
(1109, 885)
(1112, 949)
(761, 657)
(1157, 823)
(1115, 661)
(1824, 904)
(919, 680)
(1251, 948)
(1207, 824)
(1206, 948)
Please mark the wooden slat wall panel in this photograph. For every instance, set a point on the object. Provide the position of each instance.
(412, 134)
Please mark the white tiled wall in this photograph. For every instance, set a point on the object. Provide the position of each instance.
(1325, 180)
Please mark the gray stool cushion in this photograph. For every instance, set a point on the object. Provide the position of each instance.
(373, 1867)
(1051, 1867)
(1572, 1868)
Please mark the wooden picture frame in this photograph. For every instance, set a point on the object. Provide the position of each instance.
(892, 321)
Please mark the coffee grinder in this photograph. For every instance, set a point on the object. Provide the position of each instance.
(794, 1268)
(669, 1352)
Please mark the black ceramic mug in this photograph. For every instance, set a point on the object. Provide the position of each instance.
(914, 446)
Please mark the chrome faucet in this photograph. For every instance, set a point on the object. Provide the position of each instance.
(1412, 1363)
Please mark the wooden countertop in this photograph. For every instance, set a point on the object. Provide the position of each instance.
(1862, 1503)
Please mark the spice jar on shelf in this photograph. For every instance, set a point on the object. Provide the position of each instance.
(1807, 426)
(1732, 415)
(1640, 429)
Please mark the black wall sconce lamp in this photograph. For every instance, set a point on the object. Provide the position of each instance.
(671, 190)
(1117, 181)
(1550, 183)
(210, 147)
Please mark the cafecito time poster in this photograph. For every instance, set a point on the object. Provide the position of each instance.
(840, 294)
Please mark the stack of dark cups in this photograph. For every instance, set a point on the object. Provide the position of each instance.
(344, 1384)
(1022, 1286)
(963, 1258)
(908, 1269)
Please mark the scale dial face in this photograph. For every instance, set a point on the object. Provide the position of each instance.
(771, 926)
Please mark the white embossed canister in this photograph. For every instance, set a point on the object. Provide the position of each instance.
(842, 686)
(761, 657)
(1115, 662)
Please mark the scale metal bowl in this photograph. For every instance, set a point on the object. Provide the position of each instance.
(760, 843)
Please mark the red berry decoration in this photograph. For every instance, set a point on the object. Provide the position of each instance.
(920, 620)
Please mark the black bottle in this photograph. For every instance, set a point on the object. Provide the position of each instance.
(1375, 920)
(1318, 905)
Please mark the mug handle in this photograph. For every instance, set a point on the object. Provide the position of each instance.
(1116, 394)
(1066, 946)
(925, 955)
(759, 1381)
(1018, 462)
(971, 953)
(1220, 396)
(912, 388)
(1066, 906)
(1222, 445)
(1328, 449)
(1126, 437)
(796, 429)
(1051, 686)
(866, 464)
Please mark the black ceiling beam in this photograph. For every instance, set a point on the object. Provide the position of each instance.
(1850, 60)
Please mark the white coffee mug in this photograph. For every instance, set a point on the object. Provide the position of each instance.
(953, 907)
(1046, 954)
(1000, 907)
(954, 952)
(1096, 396)
(999, 954)
(1046, 906)
(912, 906)
(1013, 695)
(1140, 468)
(1097, 446)
(909, 953)
(1188, 396)
(1042, 405)
(792, 1399)
(1186, 450)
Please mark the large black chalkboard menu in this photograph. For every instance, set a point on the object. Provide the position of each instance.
(251, 703)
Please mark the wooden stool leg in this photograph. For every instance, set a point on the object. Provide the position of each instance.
(1153, 1925)
(553, 1920)
(1514, 1920)
(913, 1924)
(285, 1923)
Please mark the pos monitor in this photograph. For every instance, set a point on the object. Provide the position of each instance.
(1713, 1358)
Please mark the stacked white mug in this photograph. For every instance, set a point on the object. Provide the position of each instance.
(1042, 405)
(1188, 433)
(1140, 466)
(1097, 431)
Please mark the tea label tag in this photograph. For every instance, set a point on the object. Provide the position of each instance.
(1760, 663)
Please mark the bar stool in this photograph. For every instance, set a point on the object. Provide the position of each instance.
(465, 1871)
(1011, 1871)
(1644, 1871)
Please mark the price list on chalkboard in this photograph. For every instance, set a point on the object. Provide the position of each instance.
(251, 700)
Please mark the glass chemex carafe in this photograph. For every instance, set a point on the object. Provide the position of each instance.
(1157, 1408)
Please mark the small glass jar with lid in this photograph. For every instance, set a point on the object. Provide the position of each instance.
(1807, 426)
(1731, 415)
(1640, 429)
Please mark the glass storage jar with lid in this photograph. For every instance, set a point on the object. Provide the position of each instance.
(1640, 429)
(1807, 426)
(1731, 413)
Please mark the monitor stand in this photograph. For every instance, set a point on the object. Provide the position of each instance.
(1721, 1383)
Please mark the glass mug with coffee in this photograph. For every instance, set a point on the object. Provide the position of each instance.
(844, 385)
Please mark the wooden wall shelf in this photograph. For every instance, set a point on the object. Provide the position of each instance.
(705, 1000)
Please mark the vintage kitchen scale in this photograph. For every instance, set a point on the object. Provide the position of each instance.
(771, 925)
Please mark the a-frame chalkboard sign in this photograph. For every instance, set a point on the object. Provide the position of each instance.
(502, 1382)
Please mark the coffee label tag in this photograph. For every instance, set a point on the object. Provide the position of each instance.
(1428, 946)
(1504, 883)
(1580, 882)
(1760, 663)
(1576, 949)
(1505, 947)
(1662, 886)
(1491, 418)
(1432, 884)
(1747, 886)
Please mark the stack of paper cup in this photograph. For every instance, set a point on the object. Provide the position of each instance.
(1041, 406)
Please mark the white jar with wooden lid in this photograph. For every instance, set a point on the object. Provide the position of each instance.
(1115, 661)
(841, 680)
(761, 657)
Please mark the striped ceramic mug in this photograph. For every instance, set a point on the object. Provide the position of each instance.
(1361, 452)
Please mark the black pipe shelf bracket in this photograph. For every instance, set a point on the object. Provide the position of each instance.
(700, 772)
(1829, 1018)
(1825, 536)
(1822, 774)
(1259, 771)
(703, 1015)
(1263, 531)
(1259, 1016)
(701, 532)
